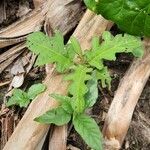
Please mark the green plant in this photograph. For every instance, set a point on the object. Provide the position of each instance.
(83, 70)
(22, 98)
(131, 16)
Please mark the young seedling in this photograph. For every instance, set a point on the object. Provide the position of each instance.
(133, 17)
(22, 98)
(83, 70)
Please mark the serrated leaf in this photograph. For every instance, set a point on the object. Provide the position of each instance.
(65, 102)
(104, 76)
(49, 50)
(132, 16)
(89, 131)
(92, 94)
(78, 87)
(76, 46)
(36, 89)
(112, 45)
(19, 97)
(57, 116)
(70, 51)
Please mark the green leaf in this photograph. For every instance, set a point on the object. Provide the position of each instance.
(57, 116)
(112, 45)
(78, 87)
(70, 51)
(104, 76)
(36, 89)
(92, 94)
(92, 5)
(76, 46)
(19, 97)
(132, 16)
(64, 101)
(89, 131)
(50, 50)
(137, 52)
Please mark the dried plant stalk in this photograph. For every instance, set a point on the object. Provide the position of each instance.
(9, 56)
(58, 138)
(37, 3)
(18, 31)
(121, 110)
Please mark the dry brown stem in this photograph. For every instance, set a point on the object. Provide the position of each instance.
(18, 31)
(121, 110)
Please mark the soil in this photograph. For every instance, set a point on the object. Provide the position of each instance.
(138, 136)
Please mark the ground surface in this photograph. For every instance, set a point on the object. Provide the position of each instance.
(138, 137)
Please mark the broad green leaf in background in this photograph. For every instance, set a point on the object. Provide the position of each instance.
(57, 116)
(89, 131)
(78, 87)
(36, 89)
(92, 94)
(19, 97)
(50, 50)
(132, 16)
(112, 45)
(65, 102)
(92, 5)
(104, 76)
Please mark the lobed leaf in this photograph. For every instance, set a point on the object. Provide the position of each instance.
(50, 50)
(76, 46)
(78, 87)
(112, 45)
(92, 94)
(104, 76)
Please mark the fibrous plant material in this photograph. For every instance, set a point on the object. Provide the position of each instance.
(18, 31)
(58, 138)
(122, 107)
(27, 127)
(9, 56)
(2, 11)
(37, 3)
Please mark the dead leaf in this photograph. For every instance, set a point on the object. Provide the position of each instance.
(23, 8)
(17, 81)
